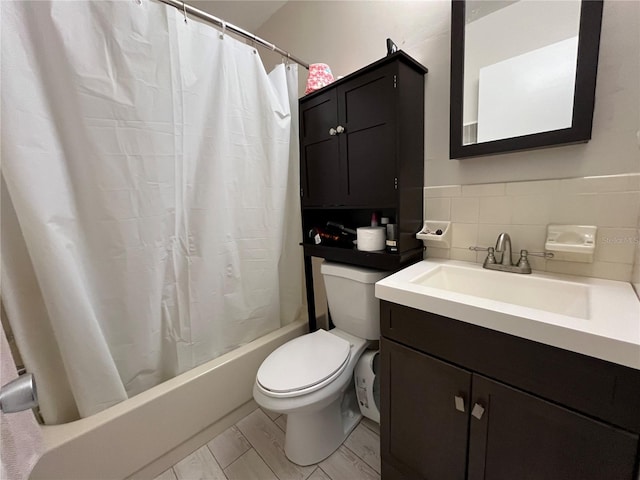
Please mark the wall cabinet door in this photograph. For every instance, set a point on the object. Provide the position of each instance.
(368, 142)
(423, 434)
(319, 151)
(524, 437)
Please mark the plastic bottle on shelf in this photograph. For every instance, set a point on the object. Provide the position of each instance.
(392, 238)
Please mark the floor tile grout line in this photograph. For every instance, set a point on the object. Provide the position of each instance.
(214, 455)
(216, 461)
(311, 472)
(258, 453)
(322, 470)
(260, 456)
(359, 457)
(283, 429)
(265, 462)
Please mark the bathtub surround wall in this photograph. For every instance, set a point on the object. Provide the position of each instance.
(478, 213)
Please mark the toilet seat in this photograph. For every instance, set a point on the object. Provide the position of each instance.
(303, 365)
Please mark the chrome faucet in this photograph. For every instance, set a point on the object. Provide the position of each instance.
(503, 263)
(503, 246)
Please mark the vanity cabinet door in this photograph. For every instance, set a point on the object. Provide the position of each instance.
(524, 437)
(424, 435)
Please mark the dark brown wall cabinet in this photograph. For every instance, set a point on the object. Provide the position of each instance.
(347, 137)
(463, 402)
(362, 151)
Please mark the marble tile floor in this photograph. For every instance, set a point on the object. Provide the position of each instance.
(253, 449)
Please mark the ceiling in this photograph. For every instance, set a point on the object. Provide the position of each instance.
(247, 14)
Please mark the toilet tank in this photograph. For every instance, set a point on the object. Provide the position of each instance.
(351, 296)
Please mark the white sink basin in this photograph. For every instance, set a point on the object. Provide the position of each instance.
(551, 295)
(595, 317)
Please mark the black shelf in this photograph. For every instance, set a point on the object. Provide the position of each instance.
(362, 152)
(378, 260)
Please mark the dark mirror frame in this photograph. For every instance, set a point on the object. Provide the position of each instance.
(583, 100)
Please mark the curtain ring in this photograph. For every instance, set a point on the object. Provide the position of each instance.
(184, 10)
(224, 29)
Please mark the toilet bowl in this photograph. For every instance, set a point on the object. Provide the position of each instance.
(310, 378)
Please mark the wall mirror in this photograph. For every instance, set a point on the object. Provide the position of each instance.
(523, 74)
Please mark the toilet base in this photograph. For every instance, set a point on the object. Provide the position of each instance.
(311, 438)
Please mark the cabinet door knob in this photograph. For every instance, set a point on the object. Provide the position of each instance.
(478, 411)
(340, 129)
(332, 132)
(459, 403)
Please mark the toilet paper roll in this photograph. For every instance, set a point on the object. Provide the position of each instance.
(371, 239)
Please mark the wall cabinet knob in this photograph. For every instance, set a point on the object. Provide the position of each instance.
(332, 132)
(459, 403)
(340, 129)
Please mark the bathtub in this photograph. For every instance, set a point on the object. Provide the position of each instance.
(144, 435)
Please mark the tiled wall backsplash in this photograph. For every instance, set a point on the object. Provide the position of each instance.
(478, 213)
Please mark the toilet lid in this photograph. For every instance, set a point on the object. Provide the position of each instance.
(311, 360)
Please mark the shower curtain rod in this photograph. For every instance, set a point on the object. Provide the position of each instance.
(228, 26)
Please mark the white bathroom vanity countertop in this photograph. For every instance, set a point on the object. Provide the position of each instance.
(591, 316)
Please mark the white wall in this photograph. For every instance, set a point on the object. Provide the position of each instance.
(349, 35)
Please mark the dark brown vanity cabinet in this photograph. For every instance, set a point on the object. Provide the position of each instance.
(362, 152)
(464, 402)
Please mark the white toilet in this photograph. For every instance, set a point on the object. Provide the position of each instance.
(310, 378)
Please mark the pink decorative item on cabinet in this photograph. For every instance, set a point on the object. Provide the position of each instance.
(319, 76)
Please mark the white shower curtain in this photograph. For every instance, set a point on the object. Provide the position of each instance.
(149, 216)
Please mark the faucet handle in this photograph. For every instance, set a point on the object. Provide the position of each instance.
(524, 253)
(491, 259)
